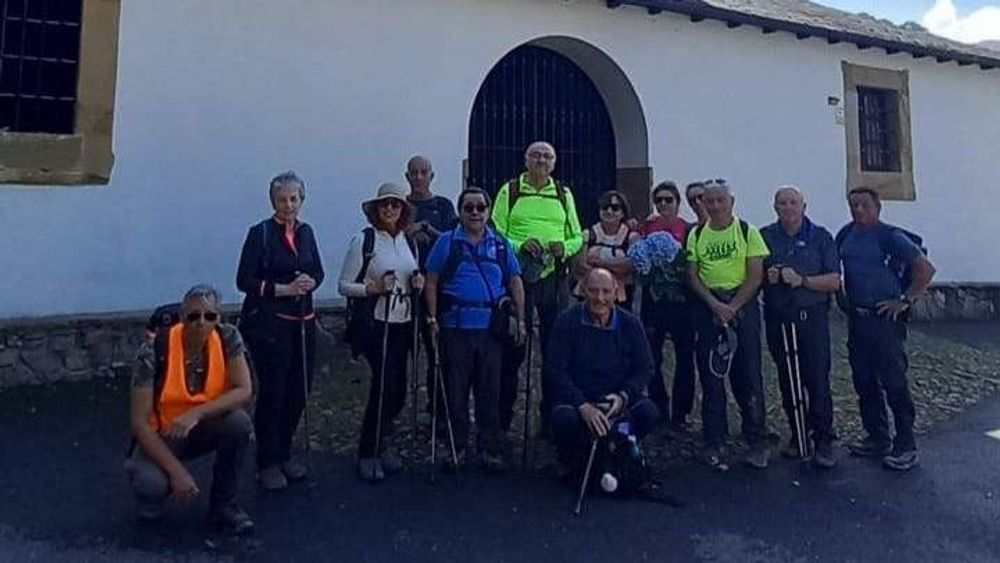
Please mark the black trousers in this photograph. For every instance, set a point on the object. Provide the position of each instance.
(550, 297)
(875, 347)
(572, 436)
(671, 319)
(227, 435)
(400, 339)
(812, 328)
(276, 349)
(745, 377)
(471, 361)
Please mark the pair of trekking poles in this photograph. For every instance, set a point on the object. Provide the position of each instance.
(790, 341)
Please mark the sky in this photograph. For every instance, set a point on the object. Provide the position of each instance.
(970, 21)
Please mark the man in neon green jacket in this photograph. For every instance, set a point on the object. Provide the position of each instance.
(537, 214)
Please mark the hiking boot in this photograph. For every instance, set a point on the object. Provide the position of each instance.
(232, 519)
(869, 447)
(902, 460)
(712, 457)
(493, 463)
(150, 511)
(294, 471)
(758, 456)
(791, 449)
(272, 478)
(449, 461)
(823, 457)
(370, 469)
(391, 462)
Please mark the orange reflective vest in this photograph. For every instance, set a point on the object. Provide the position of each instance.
(174, 398)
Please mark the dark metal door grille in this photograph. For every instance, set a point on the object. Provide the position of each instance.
(39, 57)
(536, 94)
(878, 118)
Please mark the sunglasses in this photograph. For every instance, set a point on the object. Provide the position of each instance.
(209, 316)
(470, 207)
(716, 181)
(393, 203)
(612, 207)
(664, 199)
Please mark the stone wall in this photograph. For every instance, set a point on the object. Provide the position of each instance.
(38, 351)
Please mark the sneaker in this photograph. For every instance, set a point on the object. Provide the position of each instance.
(712, 457)
(370, 469)
(391, 462)
(272, 478)
(902, 460)
(824, 458)
(758, 456)
(294, 471)
(232, 519)
(868, 447)
(493, 463)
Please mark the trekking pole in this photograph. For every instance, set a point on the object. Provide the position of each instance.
(804, 445)
(381, 375)
(526, 451)
(586, 476)
(414, 356)
(305, 397)
(797, 422)
(439, 383)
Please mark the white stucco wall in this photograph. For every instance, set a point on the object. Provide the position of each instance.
(216, 97)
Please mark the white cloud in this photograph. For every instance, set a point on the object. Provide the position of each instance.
(982, 24)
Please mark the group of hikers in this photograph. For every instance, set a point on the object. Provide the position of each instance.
(473, 280)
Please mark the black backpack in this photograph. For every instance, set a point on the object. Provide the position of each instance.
(696, 230)
(361, 310)
(502, 317)
(902, 270)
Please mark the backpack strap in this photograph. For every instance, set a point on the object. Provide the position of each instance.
(513, 193)
(160, 354)
(745, 231)
(367, 252)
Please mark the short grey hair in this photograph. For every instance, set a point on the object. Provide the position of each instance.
(284, 180)
(205, 292)
(790, 188)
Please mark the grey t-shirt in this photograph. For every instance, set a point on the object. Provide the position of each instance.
(195, 374)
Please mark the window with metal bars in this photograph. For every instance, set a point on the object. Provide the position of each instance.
(39, 65)
(878, 122)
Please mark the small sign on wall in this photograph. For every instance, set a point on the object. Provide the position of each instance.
(838, 109)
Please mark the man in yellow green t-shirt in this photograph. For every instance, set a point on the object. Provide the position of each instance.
(538, 216)
(725, 269)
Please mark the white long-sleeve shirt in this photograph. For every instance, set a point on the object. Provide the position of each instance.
(390, 253)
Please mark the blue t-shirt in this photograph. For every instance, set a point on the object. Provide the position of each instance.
(868, 279)
(464, 301)
(811, 252)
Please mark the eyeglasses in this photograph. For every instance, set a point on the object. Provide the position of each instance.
(470, 207)
(391, 202)
(541, 155)
(612, 207)
(209, 316)
(664, 199)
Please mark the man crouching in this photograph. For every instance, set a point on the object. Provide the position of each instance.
(598, 355)
(187, 401)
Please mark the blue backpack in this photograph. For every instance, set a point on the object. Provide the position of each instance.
(902, 269)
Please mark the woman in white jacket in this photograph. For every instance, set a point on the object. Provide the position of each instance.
(379, 278)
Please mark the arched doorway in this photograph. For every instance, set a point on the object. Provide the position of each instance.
(536, 93)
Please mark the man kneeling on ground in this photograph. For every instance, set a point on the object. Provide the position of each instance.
(187, 400)
(598, 355)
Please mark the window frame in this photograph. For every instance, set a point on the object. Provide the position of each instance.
(84, 157)
(891, 185)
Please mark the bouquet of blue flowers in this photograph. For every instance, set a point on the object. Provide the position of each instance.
(657, 250)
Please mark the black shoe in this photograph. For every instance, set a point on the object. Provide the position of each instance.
(869, 447)
(902, 460)
(232, 519)
(493, 463)
(758, 456)
(791, 449)
(824, 457)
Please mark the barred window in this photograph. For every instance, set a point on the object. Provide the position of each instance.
(39, 64)
(878, 119)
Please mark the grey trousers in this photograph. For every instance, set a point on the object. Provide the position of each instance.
(228, 436)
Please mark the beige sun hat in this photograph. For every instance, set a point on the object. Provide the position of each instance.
(386, 191)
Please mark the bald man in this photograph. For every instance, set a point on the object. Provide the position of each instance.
(597, 368)
(803, 272)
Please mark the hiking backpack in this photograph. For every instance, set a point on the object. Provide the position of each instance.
(514, 193)
(902, 270)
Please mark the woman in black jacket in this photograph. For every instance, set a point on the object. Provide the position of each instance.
(279, 270)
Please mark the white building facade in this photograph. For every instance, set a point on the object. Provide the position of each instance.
(214, 98)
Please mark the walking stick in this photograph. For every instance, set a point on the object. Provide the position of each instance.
(526, 451)
(586, 475)
(414, 356)
(305, 397)
(439, 381)
(788, 340)
(381, 376)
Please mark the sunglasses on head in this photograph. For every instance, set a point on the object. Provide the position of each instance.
(195, 316)
(715, 181)
(470, 207)
(612, 207)
(664, 199)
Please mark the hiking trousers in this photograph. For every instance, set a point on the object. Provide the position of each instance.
(471, 360)
(745, 377)
(812, 328)
(228, 436)
(672, 319)
(875, 347)
(572, 436)
(400, 340)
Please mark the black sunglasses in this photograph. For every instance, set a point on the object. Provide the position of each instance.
(470, 207)
(716, 181)
(194, 317)
(391, 202)
(664, 199)
(612, 207)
